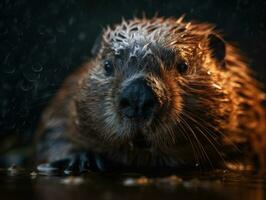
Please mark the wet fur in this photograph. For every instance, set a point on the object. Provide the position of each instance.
(209, 115)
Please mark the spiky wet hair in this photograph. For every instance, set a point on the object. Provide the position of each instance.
(169, 33)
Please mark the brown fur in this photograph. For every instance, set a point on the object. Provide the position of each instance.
(211, 113)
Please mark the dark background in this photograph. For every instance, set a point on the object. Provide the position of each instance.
(43, 41)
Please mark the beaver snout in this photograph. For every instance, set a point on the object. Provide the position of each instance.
(137, 100)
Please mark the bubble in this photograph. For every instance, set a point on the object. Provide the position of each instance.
(82, 36)
(71, 20)
(37, 68)
(31, 76)
(9, 69)
(26, 85)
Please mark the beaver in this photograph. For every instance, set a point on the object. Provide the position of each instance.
(159, 94)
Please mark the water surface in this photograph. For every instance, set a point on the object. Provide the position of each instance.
(213, 185)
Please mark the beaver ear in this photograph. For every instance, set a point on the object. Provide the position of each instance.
(97, 45)
(217, 46)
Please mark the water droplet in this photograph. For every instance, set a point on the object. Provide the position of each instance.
(217, 86)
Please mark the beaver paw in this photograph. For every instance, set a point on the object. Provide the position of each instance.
(73, 165)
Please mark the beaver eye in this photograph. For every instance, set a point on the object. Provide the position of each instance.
(182, 67)
(108, 67)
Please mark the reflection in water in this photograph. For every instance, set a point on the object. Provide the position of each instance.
(217, 185)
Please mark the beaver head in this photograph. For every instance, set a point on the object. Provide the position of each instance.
(162, 87)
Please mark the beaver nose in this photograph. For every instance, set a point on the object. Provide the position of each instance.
(137, 100)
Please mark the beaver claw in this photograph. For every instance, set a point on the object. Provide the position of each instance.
(75, 164)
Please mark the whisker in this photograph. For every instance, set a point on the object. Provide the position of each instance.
(214, 128)
(197, 160)
(204, 153)
(206, 136)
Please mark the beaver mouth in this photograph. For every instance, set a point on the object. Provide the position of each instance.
(140, 142)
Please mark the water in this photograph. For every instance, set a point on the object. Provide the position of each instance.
(213, 185)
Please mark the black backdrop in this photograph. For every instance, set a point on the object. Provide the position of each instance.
(41, 41)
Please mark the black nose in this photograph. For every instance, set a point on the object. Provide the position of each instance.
(137, 100)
